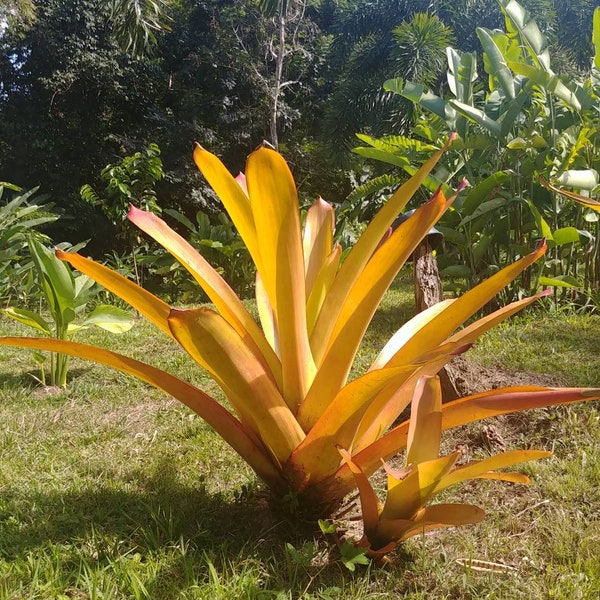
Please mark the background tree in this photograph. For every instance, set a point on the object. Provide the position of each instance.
(135, 23)
(17, 11)
(72, 100)
(69, 100)
(288, 38)
(361, 52)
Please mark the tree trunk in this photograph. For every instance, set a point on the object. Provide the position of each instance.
(276, 91)
(429, 291)
(428, 286)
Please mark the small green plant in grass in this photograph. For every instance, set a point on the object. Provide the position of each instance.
(66, 296)
(308, 431)
(20, 217)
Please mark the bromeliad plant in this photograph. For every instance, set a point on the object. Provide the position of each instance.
(426, 473)
(294, 407)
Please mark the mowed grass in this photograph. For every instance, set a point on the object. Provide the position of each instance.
(109, 489)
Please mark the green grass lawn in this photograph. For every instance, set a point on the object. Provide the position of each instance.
(109, 489)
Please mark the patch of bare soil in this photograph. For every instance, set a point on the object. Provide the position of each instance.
(499, 433)
(47, 390)
(471, 378)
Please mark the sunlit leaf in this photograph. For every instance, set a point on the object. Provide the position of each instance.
(217, 289)
(360, 254)
(153, 308)
(211, 341)
(368, 499)
(274, 203)
(361, 302)
(424, 433)
(111, 318)
(27, 317)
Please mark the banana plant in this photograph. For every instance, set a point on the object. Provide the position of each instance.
(66, 296)
(287, 379)
(585, 179)
(529, 122)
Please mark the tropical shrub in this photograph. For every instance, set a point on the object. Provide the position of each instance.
(294, 408)
(66, 296)
(19, 219)
(133, 179)
(527, 122)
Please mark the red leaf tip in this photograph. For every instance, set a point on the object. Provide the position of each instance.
(462, 185)
(132, 211)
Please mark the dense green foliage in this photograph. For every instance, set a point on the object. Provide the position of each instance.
(21, 214)
(525, 125)
(72, 100)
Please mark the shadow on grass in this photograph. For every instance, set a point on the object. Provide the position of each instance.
(29, 381)
(186, 530)
(191, 534)
(158, 510)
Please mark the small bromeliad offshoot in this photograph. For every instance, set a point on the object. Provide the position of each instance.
(297, 420)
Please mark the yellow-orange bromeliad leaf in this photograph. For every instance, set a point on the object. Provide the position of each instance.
(153, 308)
(390, 402)
(460, 412)
(233, 197)
(511, 399)
(362, 252)
(217, 289)
(406, 332)
(407, 495)
(368, 499)
(316, 457)
(455, 314)
(274, 204)
(321, 286)
(471, 332)
(481, 469)
(439, 516)
(583, 200)
(266, 316)
(215, 345)
(425, 430)
(382, 414)
(317, 240)
(360, 305)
